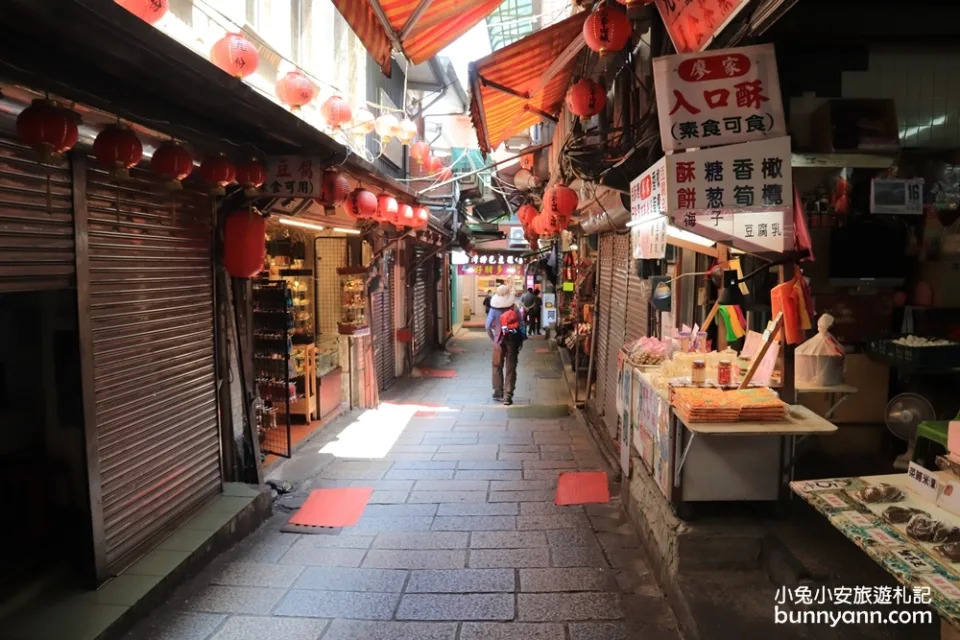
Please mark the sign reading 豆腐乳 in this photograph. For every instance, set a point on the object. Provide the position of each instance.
(293, 176)
(718, 97)
(648, 208)
(693, 25)
(740, 194)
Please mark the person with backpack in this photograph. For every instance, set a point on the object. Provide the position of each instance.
(528, 301)
(506, 330)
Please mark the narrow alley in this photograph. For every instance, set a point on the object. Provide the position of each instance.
(461, 539)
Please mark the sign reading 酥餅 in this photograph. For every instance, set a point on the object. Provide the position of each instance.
(718, 97)
(648, 208)
(693, 25)
(492, 264)
(293, 176)
(739, 194)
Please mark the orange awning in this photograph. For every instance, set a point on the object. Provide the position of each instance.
(419, 28)
(513, 88)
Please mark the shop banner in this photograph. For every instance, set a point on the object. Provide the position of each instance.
(294, 176)
(648, 208)
(693, 25)
(716, 98)
(491, 264)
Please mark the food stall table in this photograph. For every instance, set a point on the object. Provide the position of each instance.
(837, 394)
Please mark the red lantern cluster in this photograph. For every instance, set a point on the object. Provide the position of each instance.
(295, 89)
(173, 162)
(526, 213)
(244, 244)
(118, 149)
(336, 111)
(251, 175)
(218, 172)
(420, 151)
(361, 204)
(334, 188)
(387, 208)
(607, 30)
(586, 98)
(235, 55)
(150, 11)
(48, 129)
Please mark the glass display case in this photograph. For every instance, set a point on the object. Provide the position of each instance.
(353, 301)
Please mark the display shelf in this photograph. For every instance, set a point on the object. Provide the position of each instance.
(353, 301)
(273, 349)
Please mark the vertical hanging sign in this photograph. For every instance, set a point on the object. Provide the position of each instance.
(648, 208)
(693, 25)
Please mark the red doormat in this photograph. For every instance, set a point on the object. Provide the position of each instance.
(424, 372)
(582, 487)
(542, 350)
(428, 411)
(332, 507)
(455, 349)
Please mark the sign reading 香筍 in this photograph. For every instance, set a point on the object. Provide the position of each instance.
(294, 176)
(718, 97)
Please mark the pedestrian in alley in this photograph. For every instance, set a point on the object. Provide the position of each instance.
(528, 301)
(486, 304)
(537, 311)
(505, 331)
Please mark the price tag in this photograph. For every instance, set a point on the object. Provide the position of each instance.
(811, 486)
(834, 500)
(944, 586)
(881, 536)
(860, 519)
(913, 560)
(923, 482)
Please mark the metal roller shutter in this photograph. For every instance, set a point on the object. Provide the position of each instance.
(383, 340)
(617, 327)
(36, 228)
(151, 307)
(638, 304)
(420, 310)
(605, 265)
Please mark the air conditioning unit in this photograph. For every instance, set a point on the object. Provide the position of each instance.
(607, 210)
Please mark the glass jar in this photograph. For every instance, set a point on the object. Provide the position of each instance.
(698, 372)
(702, 342)
(684, 341)
(724, 373)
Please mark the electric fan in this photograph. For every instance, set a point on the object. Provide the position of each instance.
(904, 412)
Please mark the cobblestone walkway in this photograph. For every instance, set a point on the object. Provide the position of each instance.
(461, 540)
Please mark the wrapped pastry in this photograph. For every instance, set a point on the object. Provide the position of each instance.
(946, 533)
(880, 493)
(900, 515)
(922, 528)
(950, 551)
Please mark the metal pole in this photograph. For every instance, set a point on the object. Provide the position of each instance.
(520, 154)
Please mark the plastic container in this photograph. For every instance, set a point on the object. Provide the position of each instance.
(698, 373)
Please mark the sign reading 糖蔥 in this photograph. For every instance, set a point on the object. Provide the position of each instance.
(693, 25)
(648, 208)
(718, 97)
(294, 176)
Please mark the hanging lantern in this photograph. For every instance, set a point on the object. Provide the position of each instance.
(407, 216)
(526, 213)
(407, 131)
(361, 204)
(420, 151)
(525, 181)
(433, 165)
(336, 111)
(607, 30)
(251, 175)
(295, 89)
(217, 171)
(150, 11)
(387, 127)
(423, 216)
(364, 122)
(334, 188)
(446, 174)
(48, 129)
(586, 98)
(547, 227)
(387, 208)
(235, 55)
(561, 199)
(173, 162)
(244, 244)
(118, 149)
(526, 162)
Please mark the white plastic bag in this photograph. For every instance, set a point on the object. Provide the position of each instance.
(818, 362)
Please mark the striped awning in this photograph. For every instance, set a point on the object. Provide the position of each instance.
(417, 28)
(514, 88)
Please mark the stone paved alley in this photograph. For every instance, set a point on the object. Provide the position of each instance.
(461, 539)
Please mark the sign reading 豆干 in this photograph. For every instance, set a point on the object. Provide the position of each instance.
(693, 25)
(294, 176)
(648, 208)
(718, 97)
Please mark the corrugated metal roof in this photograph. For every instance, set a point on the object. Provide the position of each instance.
(512, 88)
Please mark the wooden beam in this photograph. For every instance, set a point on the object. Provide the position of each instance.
(414, 18)
(503, 88)
(540, 112)
(387, 27)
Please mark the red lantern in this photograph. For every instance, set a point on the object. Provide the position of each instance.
(334, 188)
(150, 11)
(172, 162)
(433, 164)
(446, 174)
(295, 89)
(526, 213)
(244, 244)
(420, 151)
(387, 208)
(423, 216)
(235, 54)
(217, 171)
(47, 128)
(251, 175)
(407, 216)
(607, 30)
(561, 199)
(586, 98)
(336, 111)
(118, 149)
(361, 204)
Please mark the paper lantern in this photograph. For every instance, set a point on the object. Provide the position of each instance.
(407, 215)
(525, 181)
(150, 11)
(47, 128)
(361, 204)
(173, 162)
(218, 172)
(387, 127)
(364, 122)
(561, 199)
(420, 151)
(607, 30)
(387, 208)
(244, 244)
(433, 165)
(251, 175)
(407, 131)
(118, 149)
(526, 213)
(336, 112)
(235, 55)
(586, 98)
(295, 89)
(423, 216)
(334, 188)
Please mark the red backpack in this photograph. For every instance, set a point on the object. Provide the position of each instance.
(510, 323)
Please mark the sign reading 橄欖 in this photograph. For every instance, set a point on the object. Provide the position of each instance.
(692, 25)
(648, 208)
(293, 176)
(718, 97)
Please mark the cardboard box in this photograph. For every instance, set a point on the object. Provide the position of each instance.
(855, 125)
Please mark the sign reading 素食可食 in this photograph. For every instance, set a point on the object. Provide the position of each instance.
(693, 25)
(648, 208)
(294, 176)
(718, 97)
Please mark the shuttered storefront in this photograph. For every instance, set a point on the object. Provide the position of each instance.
(384, 352)
(616, 327)
(36, 222)
(420, 318)
(151, 308)
(605, 265)
(638, 304)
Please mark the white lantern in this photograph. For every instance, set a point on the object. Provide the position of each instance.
(524, 180)
(363, 121)
(407, 131)
(387, 126)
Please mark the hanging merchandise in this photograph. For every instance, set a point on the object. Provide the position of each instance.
(118, 149)
(235, 55)
(387, 208)
(607, 30)
(586, 98)
(387, 127)
(173, 162)
(334, 188)
(295, 89)
(561, 200)
(251, 175)
(420, 151)
(525, 181)
(407, 131)
(150, 11)
(819, 361)
(218, 172)
(336, 112)
(48, 129)
(361, 204)
(363, 122)
(406, 216)
(244, 243)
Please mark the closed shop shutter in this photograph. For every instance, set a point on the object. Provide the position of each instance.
(420, 310)
(638, 305)
(36, 227)
(617, 326)
(151, 308)
(383, 340)
(605, 264)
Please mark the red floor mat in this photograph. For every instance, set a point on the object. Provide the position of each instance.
(542, 350)
(455, 349)
(437, 373)
(582, 487)
(332, 507)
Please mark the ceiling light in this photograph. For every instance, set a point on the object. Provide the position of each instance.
(354, 232)
(291, 222)
(687, 236)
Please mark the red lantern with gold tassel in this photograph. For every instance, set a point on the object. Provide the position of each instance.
(244, 243)
(218, 172)
(561, 199)
(336, 111)
(361, 204)
(118, 149)
(173, 162)
(150, 11)
(420, 151)
(607, 30)
(586, 98)
(526, 213)
(251, 175)
(334, 188)
(433, 164)
(295, 89)
(235, 55)
(48, 129)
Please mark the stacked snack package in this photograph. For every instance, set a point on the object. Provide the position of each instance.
(647, 351)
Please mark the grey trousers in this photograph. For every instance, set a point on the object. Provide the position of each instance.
(505, 357)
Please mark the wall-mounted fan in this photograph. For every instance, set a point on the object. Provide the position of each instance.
(904, 412)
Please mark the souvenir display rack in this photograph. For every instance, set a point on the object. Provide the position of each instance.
(353, 305)
(273, 362)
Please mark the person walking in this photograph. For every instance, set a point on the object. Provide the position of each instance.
(537, 311)
(528, 301)
(486, 304)
(506, 342)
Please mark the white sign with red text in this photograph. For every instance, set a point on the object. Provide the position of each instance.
(693, 25)
(718, 97)
(648, 208)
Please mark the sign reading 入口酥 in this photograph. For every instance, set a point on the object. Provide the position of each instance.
(693, 25)
(719, 97)
(492, 264)
(293, 176)
(648, 208)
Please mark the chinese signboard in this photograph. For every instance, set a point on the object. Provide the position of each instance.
(293, 176)
(648, 206)
(692, 24)
(720, 97)
(492, 264)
